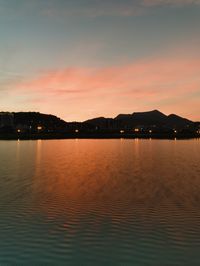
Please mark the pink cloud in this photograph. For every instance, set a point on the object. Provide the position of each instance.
(150, 83)
(156, 74)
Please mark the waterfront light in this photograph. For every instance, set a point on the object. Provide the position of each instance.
(76, 130)
(150, 131)
(137, 130)
(18, 130)
(39, 128)
(121, 131)
(175, 131)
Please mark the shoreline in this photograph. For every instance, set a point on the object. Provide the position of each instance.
(52, 136)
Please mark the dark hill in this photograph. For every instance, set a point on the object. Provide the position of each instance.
(154, 121)
(151, 118)
(143, 118)
(155, 116)
(175, 120)
(123, 117)
(35, 119)
(101, 122)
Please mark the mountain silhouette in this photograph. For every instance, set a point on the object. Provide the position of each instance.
(178, 120)
(150, 118)
(143, 118)
(33, 124)
(35, 119)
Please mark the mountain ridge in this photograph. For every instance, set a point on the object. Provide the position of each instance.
(154, 117)
(151, 124)
(148, 119)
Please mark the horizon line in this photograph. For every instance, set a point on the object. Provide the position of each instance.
(75, 121)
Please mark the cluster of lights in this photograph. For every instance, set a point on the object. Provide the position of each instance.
(121, 131)
(38, 128)
(135, 130)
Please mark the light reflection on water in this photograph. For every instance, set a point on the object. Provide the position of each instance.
(100, 202)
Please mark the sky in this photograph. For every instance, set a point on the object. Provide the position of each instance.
(79, 59)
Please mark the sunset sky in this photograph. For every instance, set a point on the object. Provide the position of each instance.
(80, 59)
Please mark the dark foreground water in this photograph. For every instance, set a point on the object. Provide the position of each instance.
(100, 202)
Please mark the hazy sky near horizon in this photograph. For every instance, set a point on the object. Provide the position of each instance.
(80, 59)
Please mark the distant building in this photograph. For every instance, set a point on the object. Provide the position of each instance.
(6, 119)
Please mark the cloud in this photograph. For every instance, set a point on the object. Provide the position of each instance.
(112, 8)
(82, 9)
(152, 3)
(157, 73)
(97, 9)
(156, 82)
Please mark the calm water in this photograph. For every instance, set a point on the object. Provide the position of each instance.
(100, 202)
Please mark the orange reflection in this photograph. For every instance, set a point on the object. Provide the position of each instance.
(117, 180)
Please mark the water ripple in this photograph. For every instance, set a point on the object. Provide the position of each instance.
(100, 202)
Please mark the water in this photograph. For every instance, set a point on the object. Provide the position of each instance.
(100, 202)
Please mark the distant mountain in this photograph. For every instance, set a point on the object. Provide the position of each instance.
(178, 121)
(35, 119)
(123, 117)
(100, 122)
(155, 114)
(154, 117)
(150, 118)
(34, 122)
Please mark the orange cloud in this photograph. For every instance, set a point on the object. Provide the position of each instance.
(140, 85)
(159, 74)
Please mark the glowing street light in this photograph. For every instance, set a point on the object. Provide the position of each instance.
(76, 130)
(150, 131)
(136, 130)
(39, 128)
(18, 130)
(121, 131)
